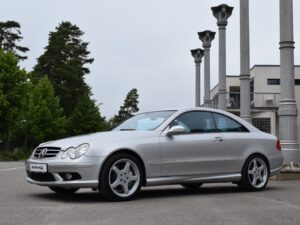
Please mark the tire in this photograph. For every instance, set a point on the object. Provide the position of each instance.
(192, 185)
(63, 191)
(121, 177)
(255, 174)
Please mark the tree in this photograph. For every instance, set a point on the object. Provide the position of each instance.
(44, 120)
(86, 117)
(10, 34)
(64, 63)
(129, 107)
(14, 89)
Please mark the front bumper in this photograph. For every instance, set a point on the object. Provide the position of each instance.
(88, 169)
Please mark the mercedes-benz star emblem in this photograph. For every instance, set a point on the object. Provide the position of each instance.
(43, 153)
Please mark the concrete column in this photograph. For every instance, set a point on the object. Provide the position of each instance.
(287, 108)
(222, 13)
(245, 61)
(207, 37)
(197, 54)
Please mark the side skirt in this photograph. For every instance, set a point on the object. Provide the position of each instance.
(153, 181)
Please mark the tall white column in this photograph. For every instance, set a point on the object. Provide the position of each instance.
(206, 37)
(197, 54)
(222, 13)
(245, 61)
(287, 108)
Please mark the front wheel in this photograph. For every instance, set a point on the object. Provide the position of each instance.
(255, 174)
(64, 191)
(121, 177)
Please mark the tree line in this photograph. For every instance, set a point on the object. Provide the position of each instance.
(53, 100)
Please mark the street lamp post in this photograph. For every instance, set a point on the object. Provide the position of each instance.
(287, 107)
(197, 54)
(245, 61)
(222, 13)
(207, 37)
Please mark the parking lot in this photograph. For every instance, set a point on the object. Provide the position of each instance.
(23, 203)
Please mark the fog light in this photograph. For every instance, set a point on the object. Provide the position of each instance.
(68, 176)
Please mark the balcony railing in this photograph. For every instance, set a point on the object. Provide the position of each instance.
(257, 99)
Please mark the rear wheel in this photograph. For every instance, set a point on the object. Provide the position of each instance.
(192, 185)
(255, 174)
(65, 191)
(121, 177)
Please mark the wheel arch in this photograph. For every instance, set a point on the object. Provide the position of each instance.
(130, 152)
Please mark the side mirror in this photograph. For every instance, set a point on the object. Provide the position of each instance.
(178, 129)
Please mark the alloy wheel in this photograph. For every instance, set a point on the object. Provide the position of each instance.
(257, 172)
(124, 177)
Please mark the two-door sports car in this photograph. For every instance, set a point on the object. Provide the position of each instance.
(188, 147)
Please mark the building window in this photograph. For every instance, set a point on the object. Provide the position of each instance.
(277, 81)
(234, 97)
(273, 81)
(251, 90)
(263, 124)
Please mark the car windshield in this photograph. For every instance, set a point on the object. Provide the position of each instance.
(145, 121)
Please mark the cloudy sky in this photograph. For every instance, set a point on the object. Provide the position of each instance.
(145, 44)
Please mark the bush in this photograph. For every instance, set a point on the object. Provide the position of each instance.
(16, 154)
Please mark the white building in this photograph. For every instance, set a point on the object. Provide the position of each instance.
(265, 96)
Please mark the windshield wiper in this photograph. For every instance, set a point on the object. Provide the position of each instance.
(126, 129)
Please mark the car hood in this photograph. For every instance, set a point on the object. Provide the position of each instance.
(101, 138)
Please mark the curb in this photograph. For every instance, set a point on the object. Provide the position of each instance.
(287, 174)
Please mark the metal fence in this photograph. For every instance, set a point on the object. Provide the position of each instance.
(258, 100)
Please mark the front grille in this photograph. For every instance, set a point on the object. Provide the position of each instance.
(41, 176)
(45, 152)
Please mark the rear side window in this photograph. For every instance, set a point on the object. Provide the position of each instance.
(226, 124)
(196, 122)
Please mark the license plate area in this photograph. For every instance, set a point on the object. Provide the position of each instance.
(38, 167)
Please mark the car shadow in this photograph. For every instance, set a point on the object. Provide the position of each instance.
(182, 192)
(146, 193)
(80, 197)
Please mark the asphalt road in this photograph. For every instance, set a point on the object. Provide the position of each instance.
(23, 203)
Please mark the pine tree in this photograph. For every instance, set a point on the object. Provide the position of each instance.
(86, 117)
(129, 107)
(10, 34)
(64, 63)
(45, 119)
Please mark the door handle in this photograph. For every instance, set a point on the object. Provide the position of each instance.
(220, 139)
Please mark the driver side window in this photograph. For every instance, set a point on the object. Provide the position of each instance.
(196, 122)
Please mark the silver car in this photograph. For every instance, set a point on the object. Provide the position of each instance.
(188, 147)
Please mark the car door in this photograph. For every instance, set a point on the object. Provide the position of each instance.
(237, 140)
(198, 151)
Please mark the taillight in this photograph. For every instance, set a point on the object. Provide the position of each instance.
(278, 145)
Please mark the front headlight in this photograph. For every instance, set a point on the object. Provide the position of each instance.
(75, 153)
(66, 153)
